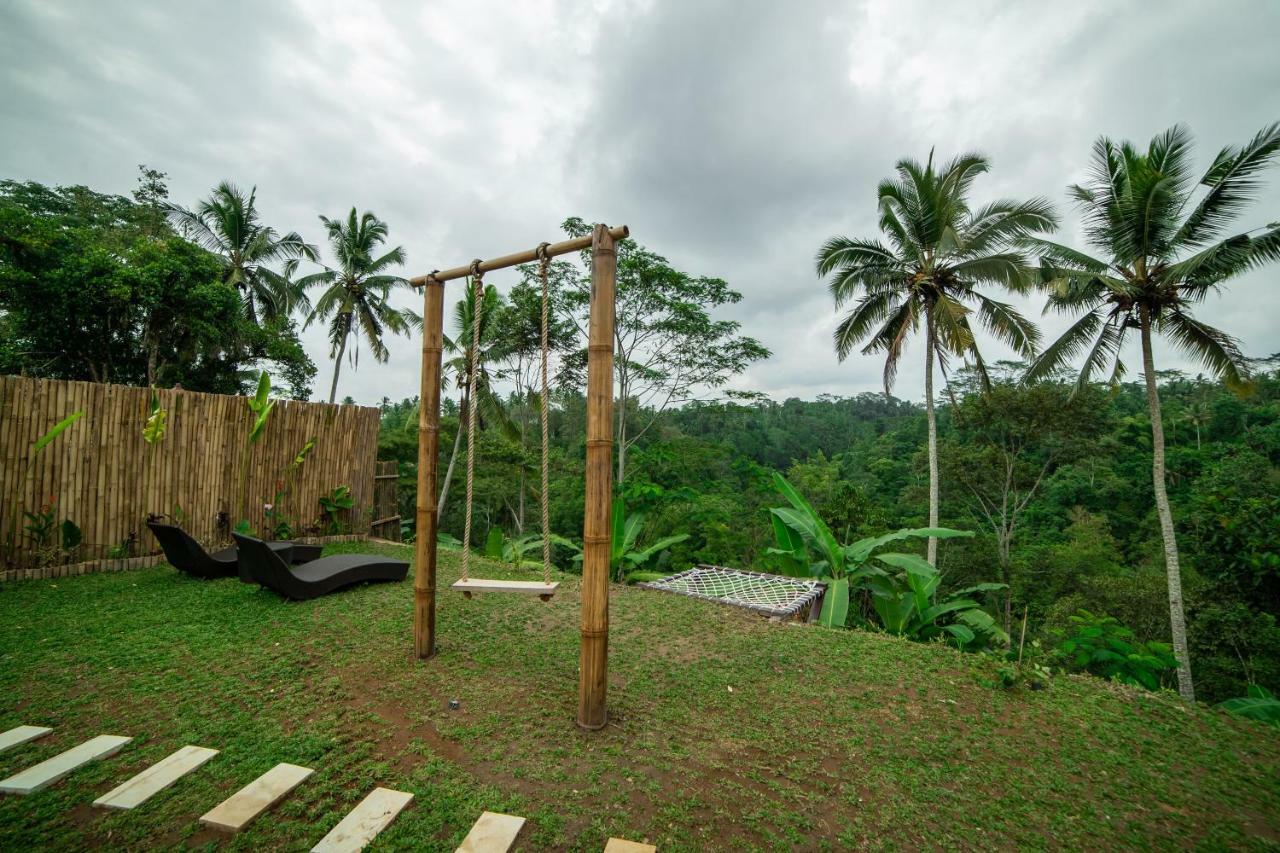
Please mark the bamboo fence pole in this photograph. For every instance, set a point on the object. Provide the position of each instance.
(596, 538)
(424, 575)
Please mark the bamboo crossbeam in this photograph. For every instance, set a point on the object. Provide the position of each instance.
(577, 244)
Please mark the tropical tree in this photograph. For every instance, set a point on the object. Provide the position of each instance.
(227, 225)
(1160, 238)
(492, 349)
(939, 254)
(358, 289)
(670, 351)
(1162, 247)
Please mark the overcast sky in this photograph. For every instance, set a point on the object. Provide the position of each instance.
(733, 137)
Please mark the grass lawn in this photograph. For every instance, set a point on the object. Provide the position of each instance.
(727, 732)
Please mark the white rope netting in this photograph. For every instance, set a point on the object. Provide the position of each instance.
(775, 595)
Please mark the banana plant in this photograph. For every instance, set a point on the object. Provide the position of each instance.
(806, 547)
(154, 429)
(38, 445)
(260, 406)
(906, 602)
(512, 550)
(624, 558)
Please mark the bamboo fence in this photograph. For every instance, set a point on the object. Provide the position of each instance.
(386, 502)
(102, 475)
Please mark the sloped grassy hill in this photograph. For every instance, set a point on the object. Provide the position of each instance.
(727, 732)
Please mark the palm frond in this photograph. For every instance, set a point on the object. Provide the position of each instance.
(847, 252)
(1213, 348)
(890, 338)
(1070, 344)
(857, 324)
(1005, 323)
(1232, 183)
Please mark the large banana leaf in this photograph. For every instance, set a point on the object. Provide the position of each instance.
(805, 520)
(56, 430)
(894, 607)
(261, 405)
(815, 535)
(835, 604)
(860, 551)
(154, 429)
(932, 613)
(638, 558)
(962, 634)
(913, 565)
(493, 543)
(1259, 704)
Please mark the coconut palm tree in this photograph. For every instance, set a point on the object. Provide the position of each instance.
(357, 290)
(493, 348)
(227, 225)
(1160, 238)
(939, 254)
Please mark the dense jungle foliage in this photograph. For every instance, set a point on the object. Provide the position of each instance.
(1086, 539)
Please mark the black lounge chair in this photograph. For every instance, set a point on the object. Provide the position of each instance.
(318, 577)
(189, 556)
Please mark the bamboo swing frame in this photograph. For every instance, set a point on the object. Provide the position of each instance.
(596, 538)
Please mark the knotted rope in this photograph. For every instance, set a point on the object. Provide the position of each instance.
(473, 367)
(544, 265)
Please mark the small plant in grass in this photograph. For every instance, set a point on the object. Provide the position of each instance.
(278, 525)
(124, 550)
(1100, 645)
(1259, 704)
(41, 524)
(334, 505)
(512, 550)
(1024, 667)
(625, 559)
(54, 542)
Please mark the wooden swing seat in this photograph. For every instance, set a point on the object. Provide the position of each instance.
(538, 588)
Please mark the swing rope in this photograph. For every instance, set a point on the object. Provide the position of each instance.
(473, 365)
(544, 265)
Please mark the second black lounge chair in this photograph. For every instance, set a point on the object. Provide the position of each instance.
(187, 555)
(318, 577)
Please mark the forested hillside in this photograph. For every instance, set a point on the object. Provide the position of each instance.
(1085, 536)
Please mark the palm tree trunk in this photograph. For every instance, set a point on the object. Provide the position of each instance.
(1177, 618)
(453, 458)
(932, 419)
(337, 362)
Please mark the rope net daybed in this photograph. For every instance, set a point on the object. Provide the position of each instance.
(773, 595)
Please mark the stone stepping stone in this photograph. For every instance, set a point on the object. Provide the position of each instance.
(364, 822)
(492, 833)
(47, 772)
(155, 778)
(238, 811)
(621, 845)
(20, 735)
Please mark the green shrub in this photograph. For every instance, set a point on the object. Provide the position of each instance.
(1102, 646)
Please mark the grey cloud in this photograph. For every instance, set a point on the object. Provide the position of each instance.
(734, 137)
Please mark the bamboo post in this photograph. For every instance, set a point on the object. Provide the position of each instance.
(424, 574)
(596, 538)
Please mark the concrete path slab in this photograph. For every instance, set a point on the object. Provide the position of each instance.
(239, 810)
(364, 822)
(47, 772)
(155, 778)
(20, 735)
(492, 833)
